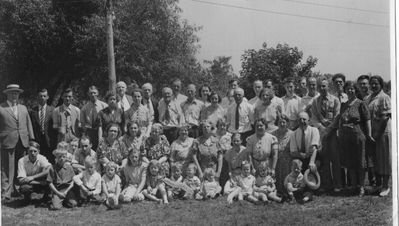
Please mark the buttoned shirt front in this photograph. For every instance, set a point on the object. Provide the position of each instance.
(179, 98)
(192, 110)
(312, 138)
(124, 103)
(14, 108)
(342, 97)
(292, 106)
(246, 119)
(175, 112)
(89, 114)
(324, 110)
(148, 104)
(66, 117)
(27, 168)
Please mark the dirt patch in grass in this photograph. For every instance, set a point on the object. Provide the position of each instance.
(324, 210)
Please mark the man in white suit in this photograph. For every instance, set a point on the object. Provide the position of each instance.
(15, 132)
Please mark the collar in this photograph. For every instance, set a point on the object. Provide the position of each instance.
(10, 104)
(329, 96)
(293, 97)
(40, 106)
(194, 101)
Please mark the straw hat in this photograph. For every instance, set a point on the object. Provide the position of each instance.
(13, 87)
(312, 180)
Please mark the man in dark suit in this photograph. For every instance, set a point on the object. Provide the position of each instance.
(149, 101)
(15, 132)
(42, 122)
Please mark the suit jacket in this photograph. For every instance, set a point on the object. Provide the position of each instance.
(59, 119)
(14, 128)
(48, 124)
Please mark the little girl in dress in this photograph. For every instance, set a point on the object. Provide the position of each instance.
(155, 190)
(265, 184)
(232, 188)
(247, 183)
(134, 172)
(192, 181)
(111, 186)
(176, 178)
(210, 188)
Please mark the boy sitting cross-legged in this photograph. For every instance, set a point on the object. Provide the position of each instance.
(61, 182)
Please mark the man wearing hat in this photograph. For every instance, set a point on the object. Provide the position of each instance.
(15, 132)
(32, 173)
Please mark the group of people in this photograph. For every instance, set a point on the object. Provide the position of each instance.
(261, 149)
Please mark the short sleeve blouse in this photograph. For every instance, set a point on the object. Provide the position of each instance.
(155, 151)
(355, 112)
(180, 150)
(207, 151)
(115, 152)
(260, 149)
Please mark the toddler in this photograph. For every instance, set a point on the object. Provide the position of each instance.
(210, 188)
(134, 171)
(155, 190)
(295, 184)
(176, 177)
(265, 184)
(192, 181)
(111, 185)
(232, 188)
(67, 147)
(247, 183)
(89, 183)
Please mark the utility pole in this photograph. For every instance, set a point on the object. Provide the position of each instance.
(110, 47)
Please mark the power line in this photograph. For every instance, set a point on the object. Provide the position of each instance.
(290, 14)
(337, 7)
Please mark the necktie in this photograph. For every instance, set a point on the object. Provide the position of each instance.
(303, 146)
(41, 118)
(14, 110)
(237, 122)
(167, 113)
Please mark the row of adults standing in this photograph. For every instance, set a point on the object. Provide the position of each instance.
(342, 117)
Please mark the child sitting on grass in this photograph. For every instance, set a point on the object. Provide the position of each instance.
(155, 190)
(60, 178)
(176, 177)
(232, 188)
(295, 184)
(192, 181)
(265, 184)
(210, 188)
(67, 147)
(235, 155)
(111, 186)
(247, 183)
(134, 172)
(89, 183)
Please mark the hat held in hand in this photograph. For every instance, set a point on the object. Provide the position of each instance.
(312, 180)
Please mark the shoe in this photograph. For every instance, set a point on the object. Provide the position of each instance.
(336, 190)
(385, 192)
(361, 192)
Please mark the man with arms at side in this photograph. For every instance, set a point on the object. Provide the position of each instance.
(42, 122)
(150, 102)
(15, 132)
(191, 109)
(124, 100)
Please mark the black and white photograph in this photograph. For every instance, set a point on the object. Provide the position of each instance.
(198, 112)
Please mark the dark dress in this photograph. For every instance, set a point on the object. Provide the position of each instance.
(351, 137)
(105, 118)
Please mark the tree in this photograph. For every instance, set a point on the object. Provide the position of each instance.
(218, 74)
(273, 63)
(59, 43)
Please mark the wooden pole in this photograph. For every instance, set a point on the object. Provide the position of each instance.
(110, 47)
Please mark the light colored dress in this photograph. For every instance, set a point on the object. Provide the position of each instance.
(208, 151)
(260, 149)
(180, 152)
(213, 114)
(141, 115)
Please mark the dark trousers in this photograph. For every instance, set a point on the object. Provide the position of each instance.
(9, 168)
(194, 132)
(36, 186)
(331, 170)
(45, 149)
(171, 134)
(92, 134)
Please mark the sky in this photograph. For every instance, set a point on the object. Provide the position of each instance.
(347, 36)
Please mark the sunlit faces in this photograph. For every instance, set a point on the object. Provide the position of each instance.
(12, 96)
(133, 129)
(176, 172)
(155, 132)
(90, 168)
(375, 85)
(303, 119)
(67, 98)
(302, 83)
(176, 86)
(262, 171)
(324, 88)
(86, 146)
(112, 101)
(246, 170)
(137, 97)
(267, 96)
(147, 90)
(134, 157)
(121, 88)
(238, 95)
(312, 85)
(339, 83)
(233, 85)
(42, 97)
(113, 132)
(214, 99)
(289, 88)
(236, 140)
(221, 126)
(61, 159)
(364, 85)
(32, 154)
(110, 171)
(167, 94)
(205, 91)
(154, 169)
(283, 124)
(183, 132)
(258, 86)
(191, 170)
(191, 91)
(73, 146)
(207, 127)
(260, 127)
(350, 91)
(93, 94)
(269, 85)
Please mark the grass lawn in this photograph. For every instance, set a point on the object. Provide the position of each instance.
(324, 210)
